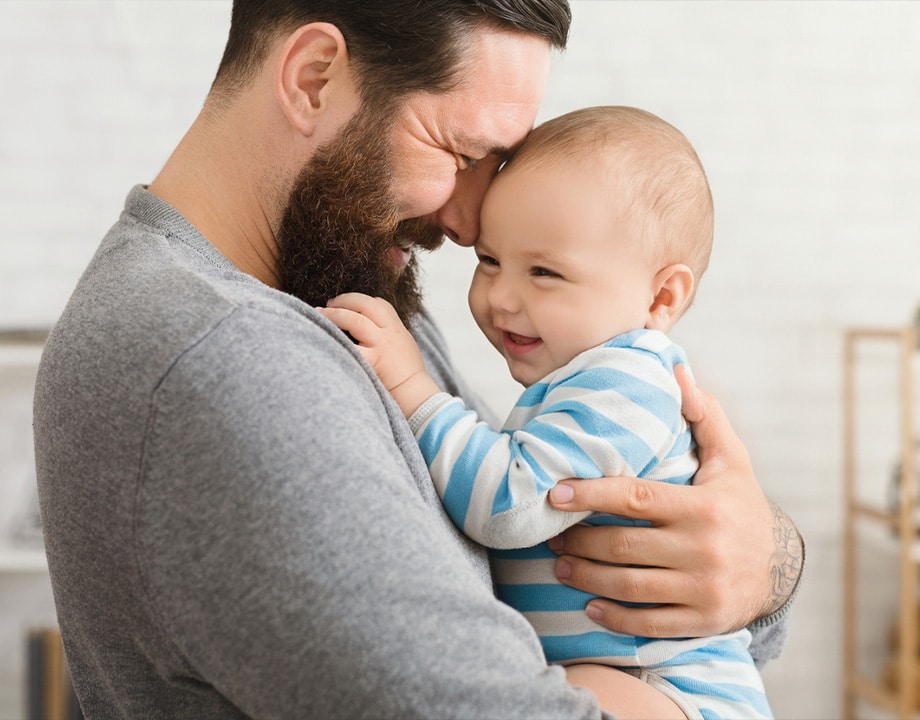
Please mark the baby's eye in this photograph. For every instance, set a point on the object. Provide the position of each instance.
(544, 272)
(487, 260)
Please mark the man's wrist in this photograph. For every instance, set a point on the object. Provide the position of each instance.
(786, 564)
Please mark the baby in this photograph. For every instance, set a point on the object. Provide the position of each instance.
(593, 238)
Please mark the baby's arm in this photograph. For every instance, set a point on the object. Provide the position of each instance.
(527, 518)
(387, 345)
(494, 484)
(611, 411)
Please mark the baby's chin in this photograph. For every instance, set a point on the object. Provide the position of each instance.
(525, 376)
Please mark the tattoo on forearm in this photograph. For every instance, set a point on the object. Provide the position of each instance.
(788, 557)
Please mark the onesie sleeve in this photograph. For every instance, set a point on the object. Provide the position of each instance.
(616, 412)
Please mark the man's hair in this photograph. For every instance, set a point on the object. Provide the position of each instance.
(651, 160)
(396, 46)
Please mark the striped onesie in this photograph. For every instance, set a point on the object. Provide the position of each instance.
(613, 410)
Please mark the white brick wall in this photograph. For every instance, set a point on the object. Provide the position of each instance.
(805, 115)
(95, 96)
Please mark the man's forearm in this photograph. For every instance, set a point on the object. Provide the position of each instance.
(787, 562)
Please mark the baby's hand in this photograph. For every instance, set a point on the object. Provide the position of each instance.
(387, 346)
(383, 340)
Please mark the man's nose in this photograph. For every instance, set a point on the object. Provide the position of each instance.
(459, 218)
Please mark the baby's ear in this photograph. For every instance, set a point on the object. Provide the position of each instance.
(673, 288)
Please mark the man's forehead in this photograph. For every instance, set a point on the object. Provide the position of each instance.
(501, 83)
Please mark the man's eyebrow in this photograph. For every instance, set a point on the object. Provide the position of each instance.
(483, 150)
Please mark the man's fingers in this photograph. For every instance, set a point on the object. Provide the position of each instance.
(621, 545)
(676, 605)
(711, 430)
(624, 583)
(658, 622)
(656, 502)
(691, 400)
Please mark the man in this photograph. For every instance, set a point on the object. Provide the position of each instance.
(238, 521)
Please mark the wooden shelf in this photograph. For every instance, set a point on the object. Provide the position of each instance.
(902, 525)
(872, 691)
(884, 538)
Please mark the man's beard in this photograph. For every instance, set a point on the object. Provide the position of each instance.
(340, 224)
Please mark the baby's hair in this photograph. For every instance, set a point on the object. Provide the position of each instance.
(657, 166)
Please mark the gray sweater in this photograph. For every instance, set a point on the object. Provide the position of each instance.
(237, 518)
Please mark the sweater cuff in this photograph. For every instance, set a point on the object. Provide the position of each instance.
(427, 409)
(769, 633)
(779, 614)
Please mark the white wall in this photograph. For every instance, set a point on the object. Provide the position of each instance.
(805, 115)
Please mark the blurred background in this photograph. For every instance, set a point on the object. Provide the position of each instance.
(805, 115)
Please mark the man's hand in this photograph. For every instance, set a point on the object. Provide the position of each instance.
(387, 346)
(718, 554)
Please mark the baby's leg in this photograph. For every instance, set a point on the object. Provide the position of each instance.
(623, 695)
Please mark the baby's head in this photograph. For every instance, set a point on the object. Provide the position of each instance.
(600, 224)
(643, 165)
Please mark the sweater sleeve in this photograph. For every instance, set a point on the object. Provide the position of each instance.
(617, 414)
(293, 563)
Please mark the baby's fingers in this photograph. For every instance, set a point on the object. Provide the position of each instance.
(382, 313)
(359, 326)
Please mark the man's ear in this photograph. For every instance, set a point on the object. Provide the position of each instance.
(311, 73)
(673, 288)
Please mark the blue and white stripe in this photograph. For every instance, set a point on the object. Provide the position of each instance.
(613, 410)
